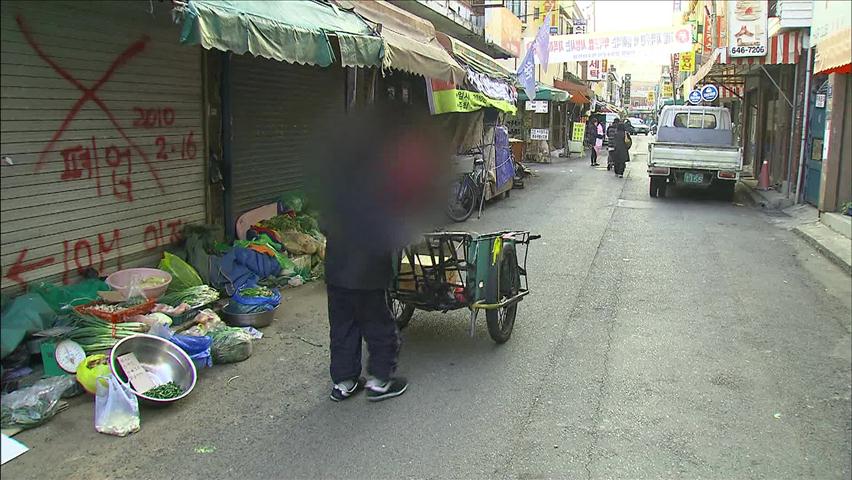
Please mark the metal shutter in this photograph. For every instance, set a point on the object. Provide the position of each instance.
(274, 107)
(125, 172)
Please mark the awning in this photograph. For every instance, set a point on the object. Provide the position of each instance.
(411, 43)
(831, 31)
(295, 32)
(692, 80)
(473, 58)
(484, 75)
(545, 92)
(579, 93)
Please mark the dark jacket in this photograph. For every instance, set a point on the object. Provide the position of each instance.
(618, 141)
(611, 132)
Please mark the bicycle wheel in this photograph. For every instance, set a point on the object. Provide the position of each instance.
(462, 199)
(401, 312)
(501, 321)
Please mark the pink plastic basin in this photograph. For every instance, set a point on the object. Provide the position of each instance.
(120, 281)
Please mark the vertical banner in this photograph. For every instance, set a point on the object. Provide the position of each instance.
(542, 42)
(526, 73)
(747, 25)
(687, 62)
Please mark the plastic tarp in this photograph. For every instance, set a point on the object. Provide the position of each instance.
(505, 166)
(295, 32)
(410, 41)
(545, 92)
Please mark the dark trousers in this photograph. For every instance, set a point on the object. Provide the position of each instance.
(618, 162)
(357, 314)
(594, 155)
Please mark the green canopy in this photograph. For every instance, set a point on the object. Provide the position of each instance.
(295, 32)
(545, 92)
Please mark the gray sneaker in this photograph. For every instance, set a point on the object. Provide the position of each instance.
(378, 390)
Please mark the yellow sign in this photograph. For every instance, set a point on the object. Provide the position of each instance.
(578, 132)
(687, 62)
(668, 91)
(650, 96)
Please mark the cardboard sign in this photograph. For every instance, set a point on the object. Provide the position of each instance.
(139, 378)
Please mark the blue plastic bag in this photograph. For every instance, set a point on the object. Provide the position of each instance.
(198, 348)
(274, 300)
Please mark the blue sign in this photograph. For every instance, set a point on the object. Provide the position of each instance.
(709, 93)
(695, 97)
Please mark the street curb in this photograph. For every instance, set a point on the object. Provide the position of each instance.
(812, 234)
(768, 199)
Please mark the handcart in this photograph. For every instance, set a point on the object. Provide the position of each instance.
(455, 270)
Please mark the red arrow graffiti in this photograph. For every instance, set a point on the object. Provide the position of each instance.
(19, 267)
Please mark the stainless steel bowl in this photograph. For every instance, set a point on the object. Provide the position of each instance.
(159, 357)
(257, 320)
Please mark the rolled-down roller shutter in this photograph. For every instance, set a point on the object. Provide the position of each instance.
(102, 141)
(276, 109)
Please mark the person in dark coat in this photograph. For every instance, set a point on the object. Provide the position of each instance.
(611, 133)
(620, 144)
(372, 180)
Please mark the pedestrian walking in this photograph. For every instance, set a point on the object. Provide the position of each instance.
(611, 133)
(621, 143)
(599, 136)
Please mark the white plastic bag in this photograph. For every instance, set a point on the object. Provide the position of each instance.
(116, 408)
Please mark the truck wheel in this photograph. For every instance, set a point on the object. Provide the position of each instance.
(726, 191)
(662, 186)
(653, 189)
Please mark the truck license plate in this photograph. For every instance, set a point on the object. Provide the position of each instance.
(693, 177)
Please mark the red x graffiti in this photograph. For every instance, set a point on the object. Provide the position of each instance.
(89, 94)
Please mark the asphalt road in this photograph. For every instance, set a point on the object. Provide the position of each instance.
(683, 337)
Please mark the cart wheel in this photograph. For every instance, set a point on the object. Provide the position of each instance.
(401, 312)
(502, 320)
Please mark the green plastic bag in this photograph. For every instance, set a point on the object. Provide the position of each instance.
(58, 297)
(183, 275)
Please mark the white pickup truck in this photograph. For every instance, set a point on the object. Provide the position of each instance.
(694, 148)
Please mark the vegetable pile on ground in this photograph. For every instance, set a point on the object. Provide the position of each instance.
(165, 391)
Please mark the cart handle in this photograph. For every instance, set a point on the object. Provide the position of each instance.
(534, 237)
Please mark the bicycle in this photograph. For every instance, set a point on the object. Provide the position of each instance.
(467, 192)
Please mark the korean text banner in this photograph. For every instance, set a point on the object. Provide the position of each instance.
(444, 97)
(593, 46)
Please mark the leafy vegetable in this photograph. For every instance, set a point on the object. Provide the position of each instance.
(193, 296)
(165, 391)
(95, 334)
(256, 292)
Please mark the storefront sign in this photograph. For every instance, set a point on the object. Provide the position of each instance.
(820, 100)
(578, 131)
(650, 97)
(709, 93)
(539, 134)
(668, 91)
(830, 33)
(503, 28)
(444, 97)
(687, 62)
(592, 46)
(537, 106)
(747, 25)
(579, 27)
(695, 97)
(597, 70)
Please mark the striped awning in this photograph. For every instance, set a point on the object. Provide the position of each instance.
(784, 49)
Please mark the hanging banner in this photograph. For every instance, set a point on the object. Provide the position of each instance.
(747, 24)
(445, 97)
(593, 46)
(687, 62)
